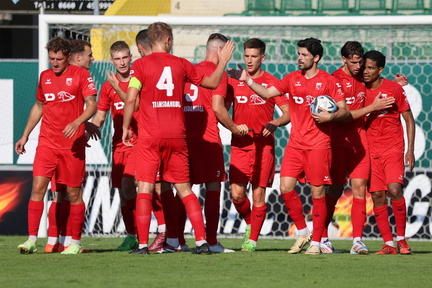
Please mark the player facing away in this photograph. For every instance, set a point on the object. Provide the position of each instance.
(308, 150)
(206, 158)
(123, 157)
(81, 55)
(252, 155)
(159, 78)
(385, 136)
(62, 92)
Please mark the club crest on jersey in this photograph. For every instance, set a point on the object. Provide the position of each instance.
(68, 81)
(318, 86)
(256, 100)
(65, 96)
(48, 81)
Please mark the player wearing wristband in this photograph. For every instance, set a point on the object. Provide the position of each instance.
(62, 92)
(252, 155)
(123, 157)
(308, 151)
(386, 143)
(159, 79)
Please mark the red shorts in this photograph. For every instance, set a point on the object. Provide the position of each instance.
(254, 166)
(386, 169)
(123, 165)
(55, 187)
(312, 164)
(353, 162)
(67, 165)
(206, 161)
(168, 156)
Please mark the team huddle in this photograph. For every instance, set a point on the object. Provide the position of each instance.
(165, 114)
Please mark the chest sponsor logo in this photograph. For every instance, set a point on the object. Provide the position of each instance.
(241, 99)
(119, 105)
(256, 100)
(64, 96)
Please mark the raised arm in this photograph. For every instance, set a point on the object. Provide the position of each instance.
(221, 112)
(224, 54)
(263, 92)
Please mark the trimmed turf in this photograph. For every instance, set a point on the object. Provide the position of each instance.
(269, 266)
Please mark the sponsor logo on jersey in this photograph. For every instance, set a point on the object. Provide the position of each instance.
(264, 85)
(309, 99)
(65, 96)
(68, 81)
(401, 177)
(256, 100)
(298, 84)
(361, 97)
(91, 86)
(326, 178)
(48, 81)
(193, 109)
(119, 105)
(348, 84)
(241, 99)
(318, 86)
(241, 84)
(90, 79)
(164, 104)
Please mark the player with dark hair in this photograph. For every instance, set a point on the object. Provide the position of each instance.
(159, 78)
(204, 143)
(385, 136)
(62, 92)
(123, 157)
(253, 156)
(308, 151)
(81, 53)
(143, 43)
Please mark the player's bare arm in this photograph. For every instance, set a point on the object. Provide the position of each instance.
(93, 127)
(91, 107)
(377, 105)
(263, 92)
(221, 112)
(340, 115)
(128, 110)
(224, 54)
(34, 117)
(283, 120)
(410, 130)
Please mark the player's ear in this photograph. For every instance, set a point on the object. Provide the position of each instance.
(263, 57)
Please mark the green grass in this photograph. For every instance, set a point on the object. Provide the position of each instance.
(269, 266)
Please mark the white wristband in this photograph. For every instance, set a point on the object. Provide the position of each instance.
(249, 81)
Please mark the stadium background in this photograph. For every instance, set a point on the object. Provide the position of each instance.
(408, 51)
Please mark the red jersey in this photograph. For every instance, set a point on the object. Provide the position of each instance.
(252, 110)
(347, 134)
(200, 120)
(63, 102)
(305, 132)
(384, 128)
(163, 77)
(110, 100)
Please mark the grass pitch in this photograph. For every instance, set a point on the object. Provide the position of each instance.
(269, 266)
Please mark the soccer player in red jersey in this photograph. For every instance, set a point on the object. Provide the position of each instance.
(62, 92)
(308, 151)
(159, 78)
(123, 157)
(350, 155)
(385, 136)
(81, 53)
(253, 156)
(206, 158)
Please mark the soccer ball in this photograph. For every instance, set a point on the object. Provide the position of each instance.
(323, 101)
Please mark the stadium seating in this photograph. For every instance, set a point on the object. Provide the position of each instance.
(258, 8)
(409, 7)
(335, 6)
(371, 7)
(295, 7)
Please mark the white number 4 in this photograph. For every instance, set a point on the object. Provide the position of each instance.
(165, 81)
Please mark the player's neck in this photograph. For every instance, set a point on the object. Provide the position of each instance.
(310, 73)
(375, 84)
(124, 77)
(212, 58)
(347, 71)
(256, 74)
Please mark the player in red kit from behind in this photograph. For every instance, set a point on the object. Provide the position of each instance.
(385, 137)
(308, 151)
(62, 92)
(159, 78)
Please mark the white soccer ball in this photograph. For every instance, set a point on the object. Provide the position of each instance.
(325, 102)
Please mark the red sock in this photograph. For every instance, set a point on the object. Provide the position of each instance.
(244, 209)
(128, 213)
(399, 211)
(53, 219)
(35, 210)
(77, 215)
(181, 220)
(157, 209)
(294, 206)
(65, 226)
(143, 216)
(170, 210)
(319, 214)
(331, 205)
(381, 218)
(211, 212)
(258, 216)
(358, 217)
(194, 213)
